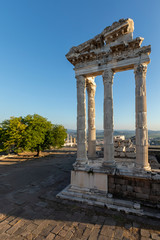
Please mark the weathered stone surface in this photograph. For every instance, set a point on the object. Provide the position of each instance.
(89, 180)
(81, 120)
(111, 51)
(91, 88)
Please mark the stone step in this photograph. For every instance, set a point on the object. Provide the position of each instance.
(101, 201)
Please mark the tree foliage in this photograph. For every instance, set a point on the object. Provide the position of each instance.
(12, 134)
(59, 134)
(33, 132)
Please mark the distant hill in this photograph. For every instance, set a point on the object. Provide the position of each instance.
(126, 133)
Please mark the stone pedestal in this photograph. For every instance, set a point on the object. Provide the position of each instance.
(81, 121)
(91, 88)
(85, 180)
(141, 118)
(108, 118)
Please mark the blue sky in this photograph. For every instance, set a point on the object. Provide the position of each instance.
(35, 76)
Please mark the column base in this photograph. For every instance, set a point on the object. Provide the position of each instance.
(94, 156)
(83, 159)
(80, 162)
(142, 168)
(111, 164)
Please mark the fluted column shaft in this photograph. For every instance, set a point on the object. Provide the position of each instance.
(81, 120)
(108, 118)
(91, 89)
(141, 117)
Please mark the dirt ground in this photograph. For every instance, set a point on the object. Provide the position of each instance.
(29, 208)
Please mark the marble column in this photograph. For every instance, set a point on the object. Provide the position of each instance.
(141, 118)
(108, 118)
(81, 121)
(91, 89)
(71, 140)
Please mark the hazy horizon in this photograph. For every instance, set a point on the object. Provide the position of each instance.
(116, 130)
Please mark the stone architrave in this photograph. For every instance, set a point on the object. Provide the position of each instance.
(108, 118)
(81, 121)
(91, 89)
(141, 117)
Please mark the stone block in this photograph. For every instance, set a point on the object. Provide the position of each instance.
(154, 199)
(139, 183)
(122, 154)
(130, 154)
(130, 149)
(111, 179)
(142, 196)
(118, 188)
(155, 236)
(112, 186)
(129, 188)
(137, 206)
(120, 181)
(121, 149)
(124, 187)
(155, 186)
(127, 142)
(154, 192)
(138, 190)
(145, 233)
(116, 144)
(110, 195)
(97, 181)
(116, 154)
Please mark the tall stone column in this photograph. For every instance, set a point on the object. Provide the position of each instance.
(108, 118)
(91, 89)
(141, 118)
(81, 121)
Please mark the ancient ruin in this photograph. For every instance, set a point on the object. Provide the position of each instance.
(99, 180)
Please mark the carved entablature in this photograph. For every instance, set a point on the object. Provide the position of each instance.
(118, 30)
(132, 45)
(114, 44)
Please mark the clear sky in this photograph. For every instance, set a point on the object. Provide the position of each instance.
(35, 76)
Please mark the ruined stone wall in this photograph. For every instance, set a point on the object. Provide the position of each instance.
(124, 148)
(146, 190)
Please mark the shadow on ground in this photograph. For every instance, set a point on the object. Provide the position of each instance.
(28, 191)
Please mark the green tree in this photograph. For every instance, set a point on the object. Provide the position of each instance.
(59, 135)
(31, 133)
(37, 129)
(11, 134)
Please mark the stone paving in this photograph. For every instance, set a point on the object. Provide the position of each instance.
(30, 210)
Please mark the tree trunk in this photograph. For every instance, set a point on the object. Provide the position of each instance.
(38, 152)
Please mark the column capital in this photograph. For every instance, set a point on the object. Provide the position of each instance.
(140, 69)
(108, 76)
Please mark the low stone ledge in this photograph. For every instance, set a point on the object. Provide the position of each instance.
(95, 166)
(127, 206)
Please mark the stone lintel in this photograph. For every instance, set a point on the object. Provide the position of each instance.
(97, 67)
(134, 44)
(120, 48)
